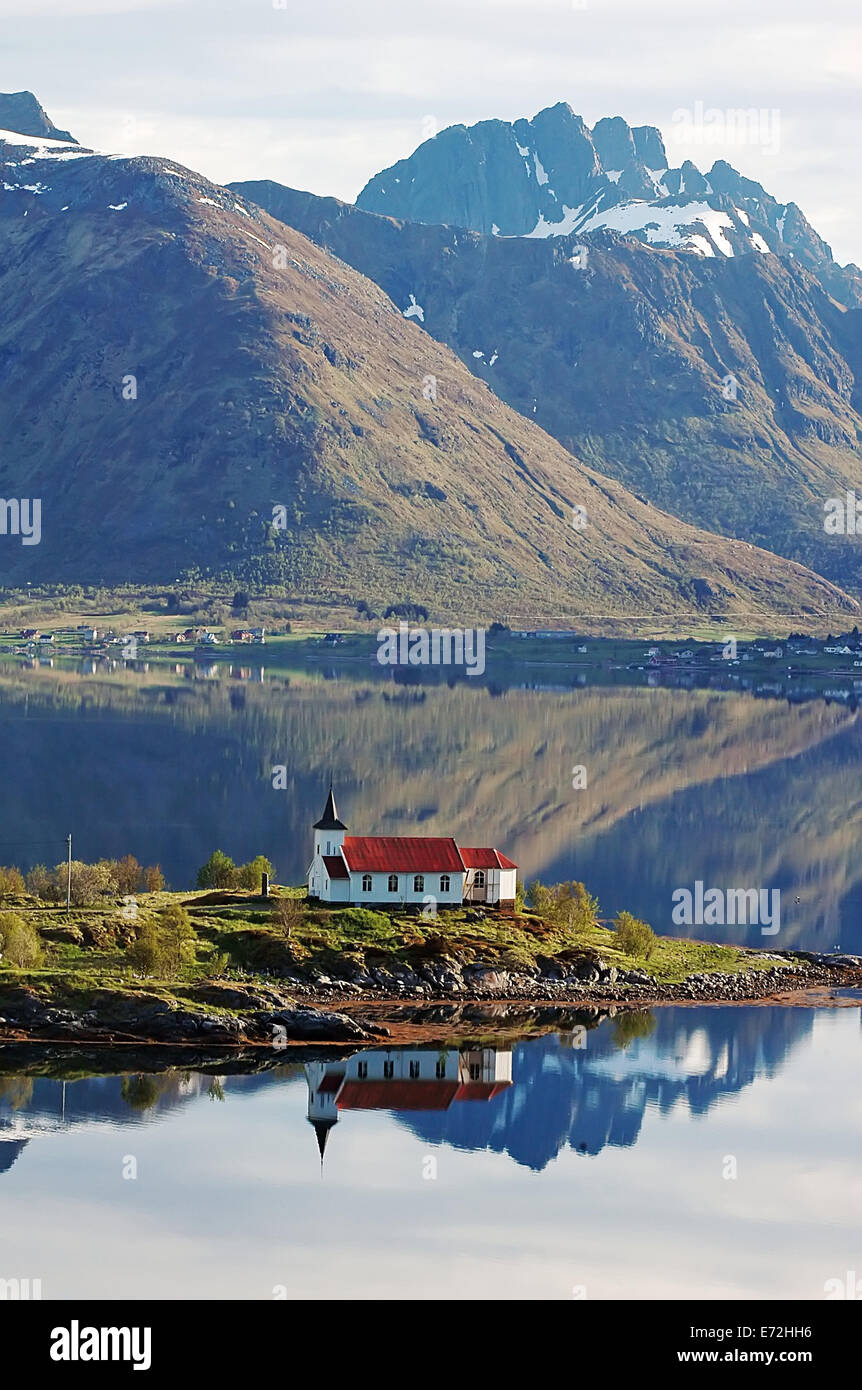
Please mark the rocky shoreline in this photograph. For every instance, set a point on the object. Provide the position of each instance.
(239, 1014)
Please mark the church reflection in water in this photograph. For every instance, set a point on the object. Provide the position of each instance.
(421, 1078)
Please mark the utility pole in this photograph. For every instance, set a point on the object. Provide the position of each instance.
(69, 874)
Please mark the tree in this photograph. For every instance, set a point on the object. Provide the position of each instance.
(42, 883)
(241, 600)
(11, 882)
(154, 879)
(634, 937)
(218, 872)
(19, 941)
(567, 906)
(574, 909)
(90, 882)
(128, 874)
(177, 938)
(248, 876)
(288, 914)
(145, 951)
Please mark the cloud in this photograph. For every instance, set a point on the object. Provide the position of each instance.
(323, 95)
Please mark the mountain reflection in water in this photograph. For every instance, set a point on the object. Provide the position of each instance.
(594, 1157)
(682, 785)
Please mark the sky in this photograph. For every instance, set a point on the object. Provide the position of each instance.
(322, 94)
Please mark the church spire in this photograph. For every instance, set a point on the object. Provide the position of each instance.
(329, 820)
(321, 1128)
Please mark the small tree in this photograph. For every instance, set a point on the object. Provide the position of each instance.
(90, 882)
(248, 876)
(145, 952)
(42, 883)
(634, 937)
(154, 879)
(218, 872)
(11, 882)
(177, 938)
(288, 914)
(128, 873)
(19, 941)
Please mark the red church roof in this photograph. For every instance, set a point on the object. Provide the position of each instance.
(485, 859)
(335, 866)
(480, 1090)
(401, 854)
(397, 1095)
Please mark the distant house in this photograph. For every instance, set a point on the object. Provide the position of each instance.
(142, 636)
(242, 634)
(30, 634)
(399, 869)
(46, 637)
(258, 634)
(207, 639)
(88, 632)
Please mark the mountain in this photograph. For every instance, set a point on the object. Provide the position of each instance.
(21, 113)
(552, 176)
(620, 351)
(176, 364)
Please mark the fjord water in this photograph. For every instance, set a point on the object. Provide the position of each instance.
(682, 784)
(701, 1152)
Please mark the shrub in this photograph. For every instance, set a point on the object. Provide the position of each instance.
(154, 879)
(11, 882)
(177, 939)
(90, 882)
(248, 875)
(634, 937)
(363, 924)
(144, 954)
(567, 906)
(164, 946)
(19, 941)
(218, 872)
(42, 882)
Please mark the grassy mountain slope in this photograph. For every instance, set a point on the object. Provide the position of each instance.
(269, 374)
(623, 362)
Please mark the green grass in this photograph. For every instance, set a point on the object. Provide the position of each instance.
(73, 972)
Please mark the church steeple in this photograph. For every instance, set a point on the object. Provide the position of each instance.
(321, 1129)
(329, 820)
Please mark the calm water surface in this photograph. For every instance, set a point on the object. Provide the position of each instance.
(597, 1162)
(682, 785)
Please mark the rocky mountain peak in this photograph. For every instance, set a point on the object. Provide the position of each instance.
(22, 113)
(552, 175)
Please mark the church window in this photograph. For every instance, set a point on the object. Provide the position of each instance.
(444, 883)
(441, 1069)
(388, 1071)
(479, 880)
(414, 1071)
(418, 883)
(366, 883)
(393, 883)
(362, 1070)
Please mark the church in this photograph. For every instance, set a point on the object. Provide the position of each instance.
(397, 870)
